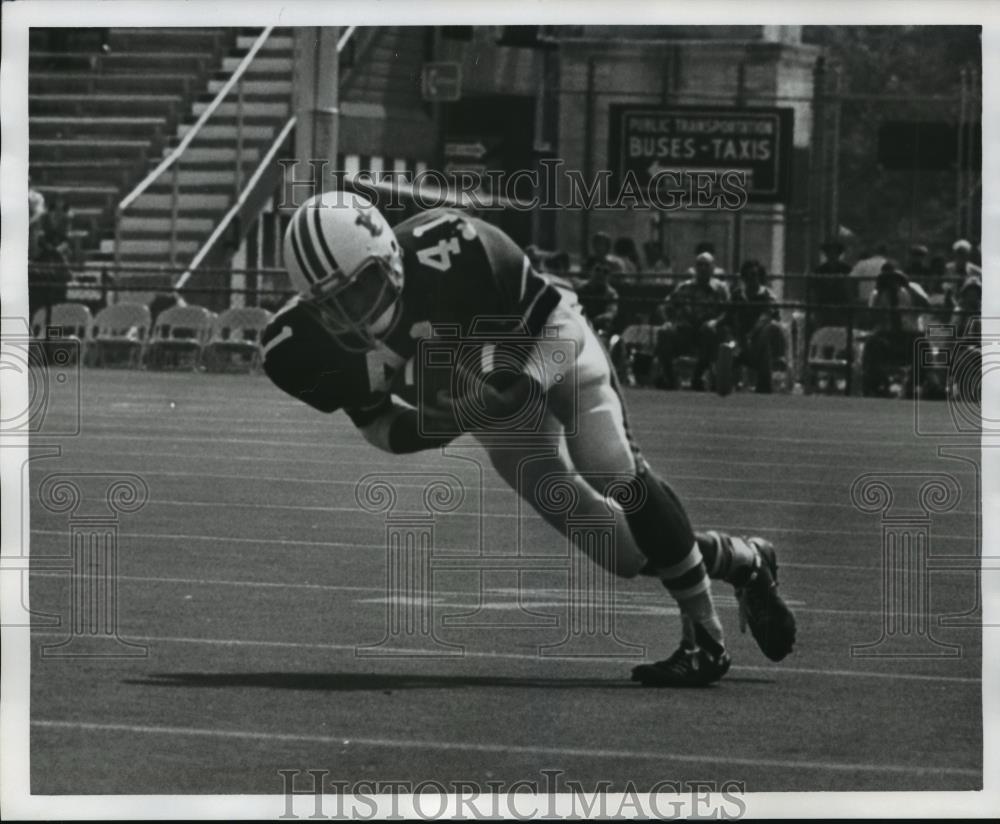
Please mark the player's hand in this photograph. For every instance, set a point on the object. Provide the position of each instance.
(485, 400)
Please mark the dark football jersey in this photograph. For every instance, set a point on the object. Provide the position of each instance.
(464, 280)
(309, 363)
(463, 272)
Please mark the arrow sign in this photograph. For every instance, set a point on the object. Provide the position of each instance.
(441, 82)
(474, 151)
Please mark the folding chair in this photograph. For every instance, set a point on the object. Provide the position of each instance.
(179, 335)
(74, 319)
(74, 324)
(827, 363)
(234, 344)
(120, 328)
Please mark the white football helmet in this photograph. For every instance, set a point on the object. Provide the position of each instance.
(344, 260)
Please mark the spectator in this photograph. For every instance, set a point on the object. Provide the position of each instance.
(754, 320)
(833, 262)
(961, 265)
(895, 329)
(36, 209)
(698, 313)
(832, 288)
(965, 302)
(625, 249)
(866, 271)
(56, 224)
(937, 272)
(599, 299)
(556, 266)
(966, 349)
(656, 261)
(917, 267)
(50, 277)
(48, 280)
(968, 302)
(957, 273)
(705, 248)
(639, 340)
(601, 256)
(107, 282)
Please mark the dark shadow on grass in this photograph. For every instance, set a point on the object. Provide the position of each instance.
(358, 681)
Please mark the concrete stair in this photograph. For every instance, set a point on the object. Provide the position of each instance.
(207, 170)
(98, 119)
(40, 83)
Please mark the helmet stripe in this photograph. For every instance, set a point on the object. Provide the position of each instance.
(322, 242)
(308, 247)
(297, 250)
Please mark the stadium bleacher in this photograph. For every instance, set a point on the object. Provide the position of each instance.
(100, 120)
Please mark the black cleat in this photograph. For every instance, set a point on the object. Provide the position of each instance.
(687, 667)
(761, 607)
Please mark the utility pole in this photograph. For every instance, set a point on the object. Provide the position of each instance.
(315, 97)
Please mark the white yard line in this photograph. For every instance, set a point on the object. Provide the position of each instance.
(504, 749)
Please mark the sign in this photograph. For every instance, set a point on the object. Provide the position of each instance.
(474, 150)
(441, 82)
(648, 141)
(469, 154)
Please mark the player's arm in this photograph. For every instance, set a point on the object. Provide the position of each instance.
(722, 300)
(394, 426)
(294, 363)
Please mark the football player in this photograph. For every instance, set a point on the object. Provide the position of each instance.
(369, 295)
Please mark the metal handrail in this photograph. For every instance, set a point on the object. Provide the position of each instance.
(244, 195)
(170, 161)
(235, 208)
(344, 38)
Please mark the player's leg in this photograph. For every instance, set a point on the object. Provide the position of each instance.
(750, 566)
(666, 351)
(766, 345)
(747, 564)
(706, 345)
(873, 358)
(600, 447)
(529, 471)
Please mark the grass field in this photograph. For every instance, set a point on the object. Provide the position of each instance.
(252, 575)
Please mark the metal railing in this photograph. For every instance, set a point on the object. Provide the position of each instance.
(171, 161)
(800, 320)
(244, 196)
(238, 205)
